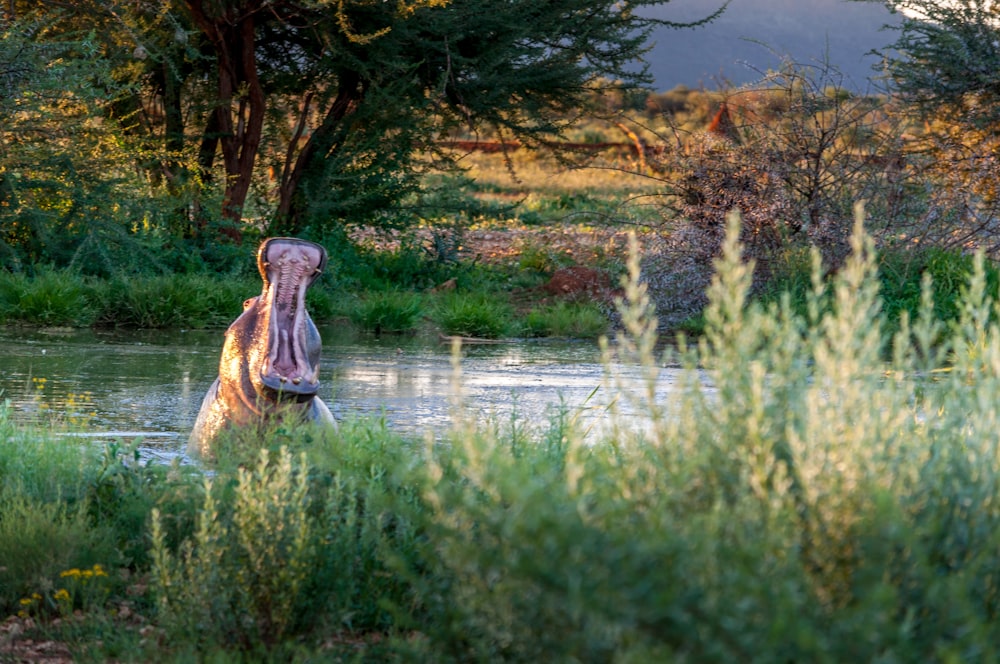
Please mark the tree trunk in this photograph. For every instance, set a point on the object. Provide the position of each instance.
(239, 117)
(290, 216)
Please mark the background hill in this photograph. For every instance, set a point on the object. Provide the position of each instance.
(738, 46)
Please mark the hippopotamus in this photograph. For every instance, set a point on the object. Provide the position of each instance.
(269, 367)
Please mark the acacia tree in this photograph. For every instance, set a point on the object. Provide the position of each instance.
(373, 81)
(945, 66)
(947, 59)
(333, 98)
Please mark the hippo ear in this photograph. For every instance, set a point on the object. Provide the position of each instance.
(322, 264)
(262, 260)
(249, 302)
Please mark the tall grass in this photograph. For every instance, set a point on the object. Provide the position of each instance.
(52, 298)
(390, 311)
(804, 492)
(473, 315)
(172, 301)
(580, 320)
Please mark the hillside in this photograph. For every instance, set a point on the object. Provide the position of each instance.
(738, 46)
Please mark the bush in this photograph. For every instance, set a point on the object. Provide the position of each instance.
(286, 548)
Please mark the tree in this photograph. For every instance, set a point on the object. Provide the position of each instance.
(312, 112)
(63, 172)
(945, 66)
(370, 83)
(948, 61)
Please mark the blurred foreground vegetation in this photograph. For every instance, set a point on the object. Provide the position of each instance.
(795, 498)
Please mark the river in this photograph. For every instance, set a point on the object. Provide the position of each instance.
(116, 384)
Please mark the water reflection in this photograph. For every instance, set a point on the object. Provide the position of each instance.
(151, 383)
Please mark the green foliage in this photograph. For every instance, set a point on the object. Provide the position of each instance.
(582, 320)
(172, 301)
(51, 298)
(39, 541)
(797, 494)
(238, 579)
(410, 266)
(67, 190)
(540, 258)
(472, 315)
(122, 493)
(948, 58)
(949, 271)
(901, 275)
(40, 467)
(288, 546)
(389, 311)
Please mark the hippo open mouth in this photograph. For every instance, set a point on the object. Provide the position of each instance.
(289, 267)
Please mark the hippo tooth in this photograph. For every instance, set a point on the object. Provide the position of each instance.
(297, 380)
(282, 378)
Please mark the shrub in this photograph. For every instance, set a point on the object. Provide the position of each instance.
(288, 547)
(794, 511)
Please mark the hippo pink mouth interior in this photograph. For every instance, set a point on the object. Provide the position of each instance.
(288, 268)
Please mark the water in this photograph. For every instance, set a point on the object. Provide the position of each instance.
(149, 384)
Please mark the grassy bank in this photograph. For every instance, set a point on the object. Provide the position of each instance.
(818, 504)
(65, 299)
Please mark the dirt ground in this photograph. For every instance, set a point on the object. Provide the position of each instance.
(576, 255)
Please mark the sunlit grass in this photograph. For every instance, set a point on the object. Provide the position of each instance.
(390, 311)
(472, 315)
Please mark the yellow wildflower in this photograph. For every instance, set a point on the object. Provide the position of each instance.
(75, 573)
(26, 601)
(99, 570)
(61, 595)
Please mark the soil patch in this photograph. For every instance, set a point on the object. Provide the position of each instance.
(582, 245)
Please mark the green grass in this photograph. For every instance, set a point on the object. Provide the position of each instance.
(819, 503)
(172, 301)
(52, 298)
(473, 315)
(579, 320)
(389, 311)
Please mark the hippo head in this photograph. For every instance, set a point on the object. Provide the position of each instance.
(272, 350)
